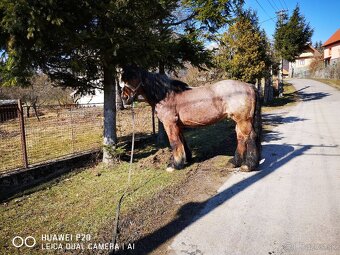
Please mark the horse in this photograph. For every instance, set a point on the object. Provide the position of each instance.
(178, 106)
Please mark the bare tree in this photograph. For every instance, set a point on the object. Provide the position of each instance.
(41, 92)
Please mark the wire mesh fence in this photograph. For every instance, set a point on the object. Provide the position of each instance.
(10, 137)
(52, 132)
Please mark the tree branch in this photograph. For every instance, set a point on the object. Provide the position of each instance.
(182, 21)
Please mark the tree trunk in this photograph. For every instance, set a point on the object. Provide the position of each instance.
(110, 137)
(268, 91)
(36, 111)
(28, 111)
(162, 138)
(119, 101)
(161, 68)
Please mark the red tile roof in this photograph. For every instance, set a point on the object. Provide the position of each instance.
(333, 39)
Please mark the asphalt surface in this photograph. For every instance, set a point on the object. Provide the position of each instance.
(290, 206)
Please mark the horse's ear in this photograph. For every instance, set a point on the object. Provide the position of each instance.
(132, 66)
(130, 71)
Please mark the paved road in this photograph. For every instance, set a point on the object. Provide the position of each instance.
(291, 206)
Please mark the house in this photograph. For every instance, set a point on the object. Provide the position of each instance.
(331, 53)
(96, 97)
(300, 68)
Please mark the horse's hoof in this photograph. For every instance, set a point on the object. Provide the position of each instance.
(170, 169)
(245, 168)
(230, 165)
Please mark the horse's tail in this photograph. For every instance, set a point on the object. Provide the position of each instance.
(257, 122)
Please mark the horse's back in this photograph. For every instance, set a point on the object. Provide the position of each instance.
(232, 85)
(209, 104)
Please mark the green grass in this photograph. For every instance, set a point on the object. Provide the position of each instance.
(82, 203)
(333, 83)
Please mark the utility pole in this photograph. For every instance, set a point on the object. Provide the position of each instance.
(281, 16)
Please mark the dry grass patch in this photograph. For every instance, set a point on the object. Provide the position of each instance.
(333, 83)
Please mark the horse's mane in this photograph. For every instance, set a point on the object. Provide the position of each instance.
(157, 86)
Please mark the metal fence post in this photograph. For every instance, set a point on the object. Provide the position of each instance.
(23, 135)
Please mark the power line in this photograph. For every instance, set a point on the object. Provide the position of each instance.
(281, 4)
(275, 4)
(284, 2)
(267, 20)
(271, 5)
(263, 10)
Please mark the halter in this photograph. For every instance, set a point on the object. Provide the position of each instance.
(134, 90)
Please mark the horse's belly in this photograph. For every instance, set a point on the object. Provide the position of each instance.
(200, 116)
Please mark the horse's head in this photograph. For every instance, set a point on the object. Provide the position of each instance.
(131, 76)
(128, 95)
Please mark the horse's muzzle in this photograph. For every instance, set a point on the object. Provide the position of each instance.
(127, 100)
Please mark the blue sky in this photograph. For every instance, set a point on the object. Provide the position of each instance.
(323, 16)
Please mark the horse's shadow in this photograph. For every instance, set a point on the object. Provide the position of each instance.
(205, 142)
(210, 141)
(274, 156)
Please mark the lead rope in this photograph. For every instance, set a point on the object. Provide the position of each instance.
(116, 226)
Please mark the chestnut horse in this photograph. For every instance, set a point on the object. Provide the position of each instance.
(177, 105)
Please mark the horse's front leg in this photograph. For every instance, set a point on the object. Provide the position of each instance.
(188, 154)
(178, 158)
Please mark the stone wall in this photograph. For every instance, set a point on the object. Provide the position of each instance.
(21, 180)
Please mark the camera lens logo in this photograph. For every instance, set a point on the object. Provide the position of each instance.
(29, 241)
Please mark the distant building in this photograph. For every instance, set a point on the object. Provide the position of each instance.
(300, 68)
(331, 53)
(97, 97)
(8, 110)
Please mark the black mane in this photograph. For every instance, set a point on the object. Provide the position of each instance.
(155, 86)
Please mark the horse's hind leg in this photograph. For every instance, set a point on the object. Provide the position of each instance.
(178, 149)
(242, 135)
(246, 155)
(252, 154)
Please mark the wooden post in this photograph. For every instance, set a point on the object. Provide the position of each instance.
(23, 135)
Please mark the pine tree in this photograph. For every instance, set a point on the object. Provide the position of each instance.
(292, 35)
(243, 54)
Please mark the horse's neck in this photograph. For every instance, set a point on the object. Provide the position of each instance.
(152, 104)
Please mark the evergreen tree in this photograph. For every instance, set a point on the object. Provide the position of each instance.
(292, 35)
(318, 46)
(244, 51)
